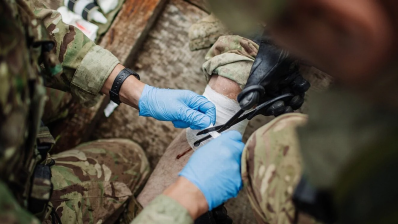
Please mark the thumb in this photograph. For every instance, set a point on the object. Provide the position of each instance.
(196, 119)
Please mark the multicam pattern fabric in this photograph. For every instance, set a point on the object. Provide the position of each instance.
(271, 169)
(205, 33)
(164, 210)
(95, 182)
(11, 211)
(57, 105)
(34, 46)
(232, 57)
(77, 73)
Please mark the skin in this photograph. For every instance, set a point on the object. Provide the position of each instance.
(166, 171)
(189, 196)
(131, 89)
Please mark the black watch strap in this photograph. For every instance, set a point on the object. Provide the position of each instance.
(117, 84)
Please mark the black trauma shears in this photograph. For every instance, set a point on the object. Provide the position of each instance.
(238, 117)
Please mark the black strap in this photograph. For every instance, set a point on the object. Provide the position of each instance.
(117, 84)
(71, 4)
(218, 215)
(38, 206)
(55, 217)
(87, 9)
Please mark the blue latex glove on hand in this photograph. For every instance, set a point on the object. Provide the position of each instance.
(184, 108)
(215, 168)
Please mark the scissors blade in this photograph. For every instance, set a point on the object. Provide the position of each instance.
(208, 130)
(220, 128)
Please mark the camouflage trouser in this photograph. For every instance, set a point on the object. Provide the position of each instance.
(96, 181)
(271, 169)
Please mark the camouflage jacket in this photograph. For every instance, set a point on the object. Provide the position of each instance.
(37, 50)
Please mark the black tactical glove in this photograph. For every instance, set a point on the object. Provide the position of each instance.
(273, 73)
(216, 216)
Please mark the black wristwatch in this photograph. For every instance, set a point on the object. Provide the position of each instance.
(117, 84)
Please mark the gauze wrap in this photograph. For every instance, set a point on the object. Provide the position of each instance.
(225, 109)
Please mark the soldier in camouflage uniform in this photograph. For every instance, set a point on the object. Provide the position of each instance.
(345, 147)
(226, 68)
(86, 180)
(96, 182)
(232, 57)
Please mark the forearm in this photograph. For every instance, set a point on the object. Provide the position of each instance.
(181, 203)
(131, 89)
(189, 196)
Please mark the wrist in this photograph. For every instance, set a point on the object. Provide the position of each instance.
(130, 91)
(189, 196)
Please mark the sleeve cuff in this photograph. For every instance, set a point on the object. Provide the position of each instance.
(165, 210)
(229, 65)
(90, 76)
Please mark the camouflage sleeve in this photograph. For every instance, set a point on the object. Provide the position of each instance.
(77, 64)
(11, 211)
(232, 57)
(163, 210)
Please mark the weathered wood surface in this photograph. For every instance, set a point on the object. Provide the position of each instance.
(124, 39)
(130, 28)
(200, 3)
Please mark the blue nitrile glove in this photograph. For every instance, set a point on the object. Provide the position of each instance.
(215, 168)
(184, 108)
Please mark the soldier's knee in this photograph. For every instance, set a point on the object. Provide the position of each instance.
(271, 163)
(277, 135)
(126, 149)
(129, 150)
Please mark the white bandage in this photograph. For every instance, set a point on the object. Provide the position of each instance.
(225, 109)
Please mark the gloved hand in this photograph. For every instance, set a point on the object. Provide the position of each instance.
(215, 168)
(184, 108)
(291, 82)
(273, 73)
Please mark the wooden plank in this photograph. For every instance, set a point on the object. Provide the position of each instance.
(124, 38)
(200, 4)
(131, 27)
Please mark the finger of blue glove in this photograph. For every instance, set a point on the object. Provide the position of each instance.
(202, 104)
(180, 124)
(196, 119)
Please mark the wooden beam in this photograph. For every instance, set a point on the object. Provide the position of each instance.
(131, 27)
(124, 38)
(200, 4)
